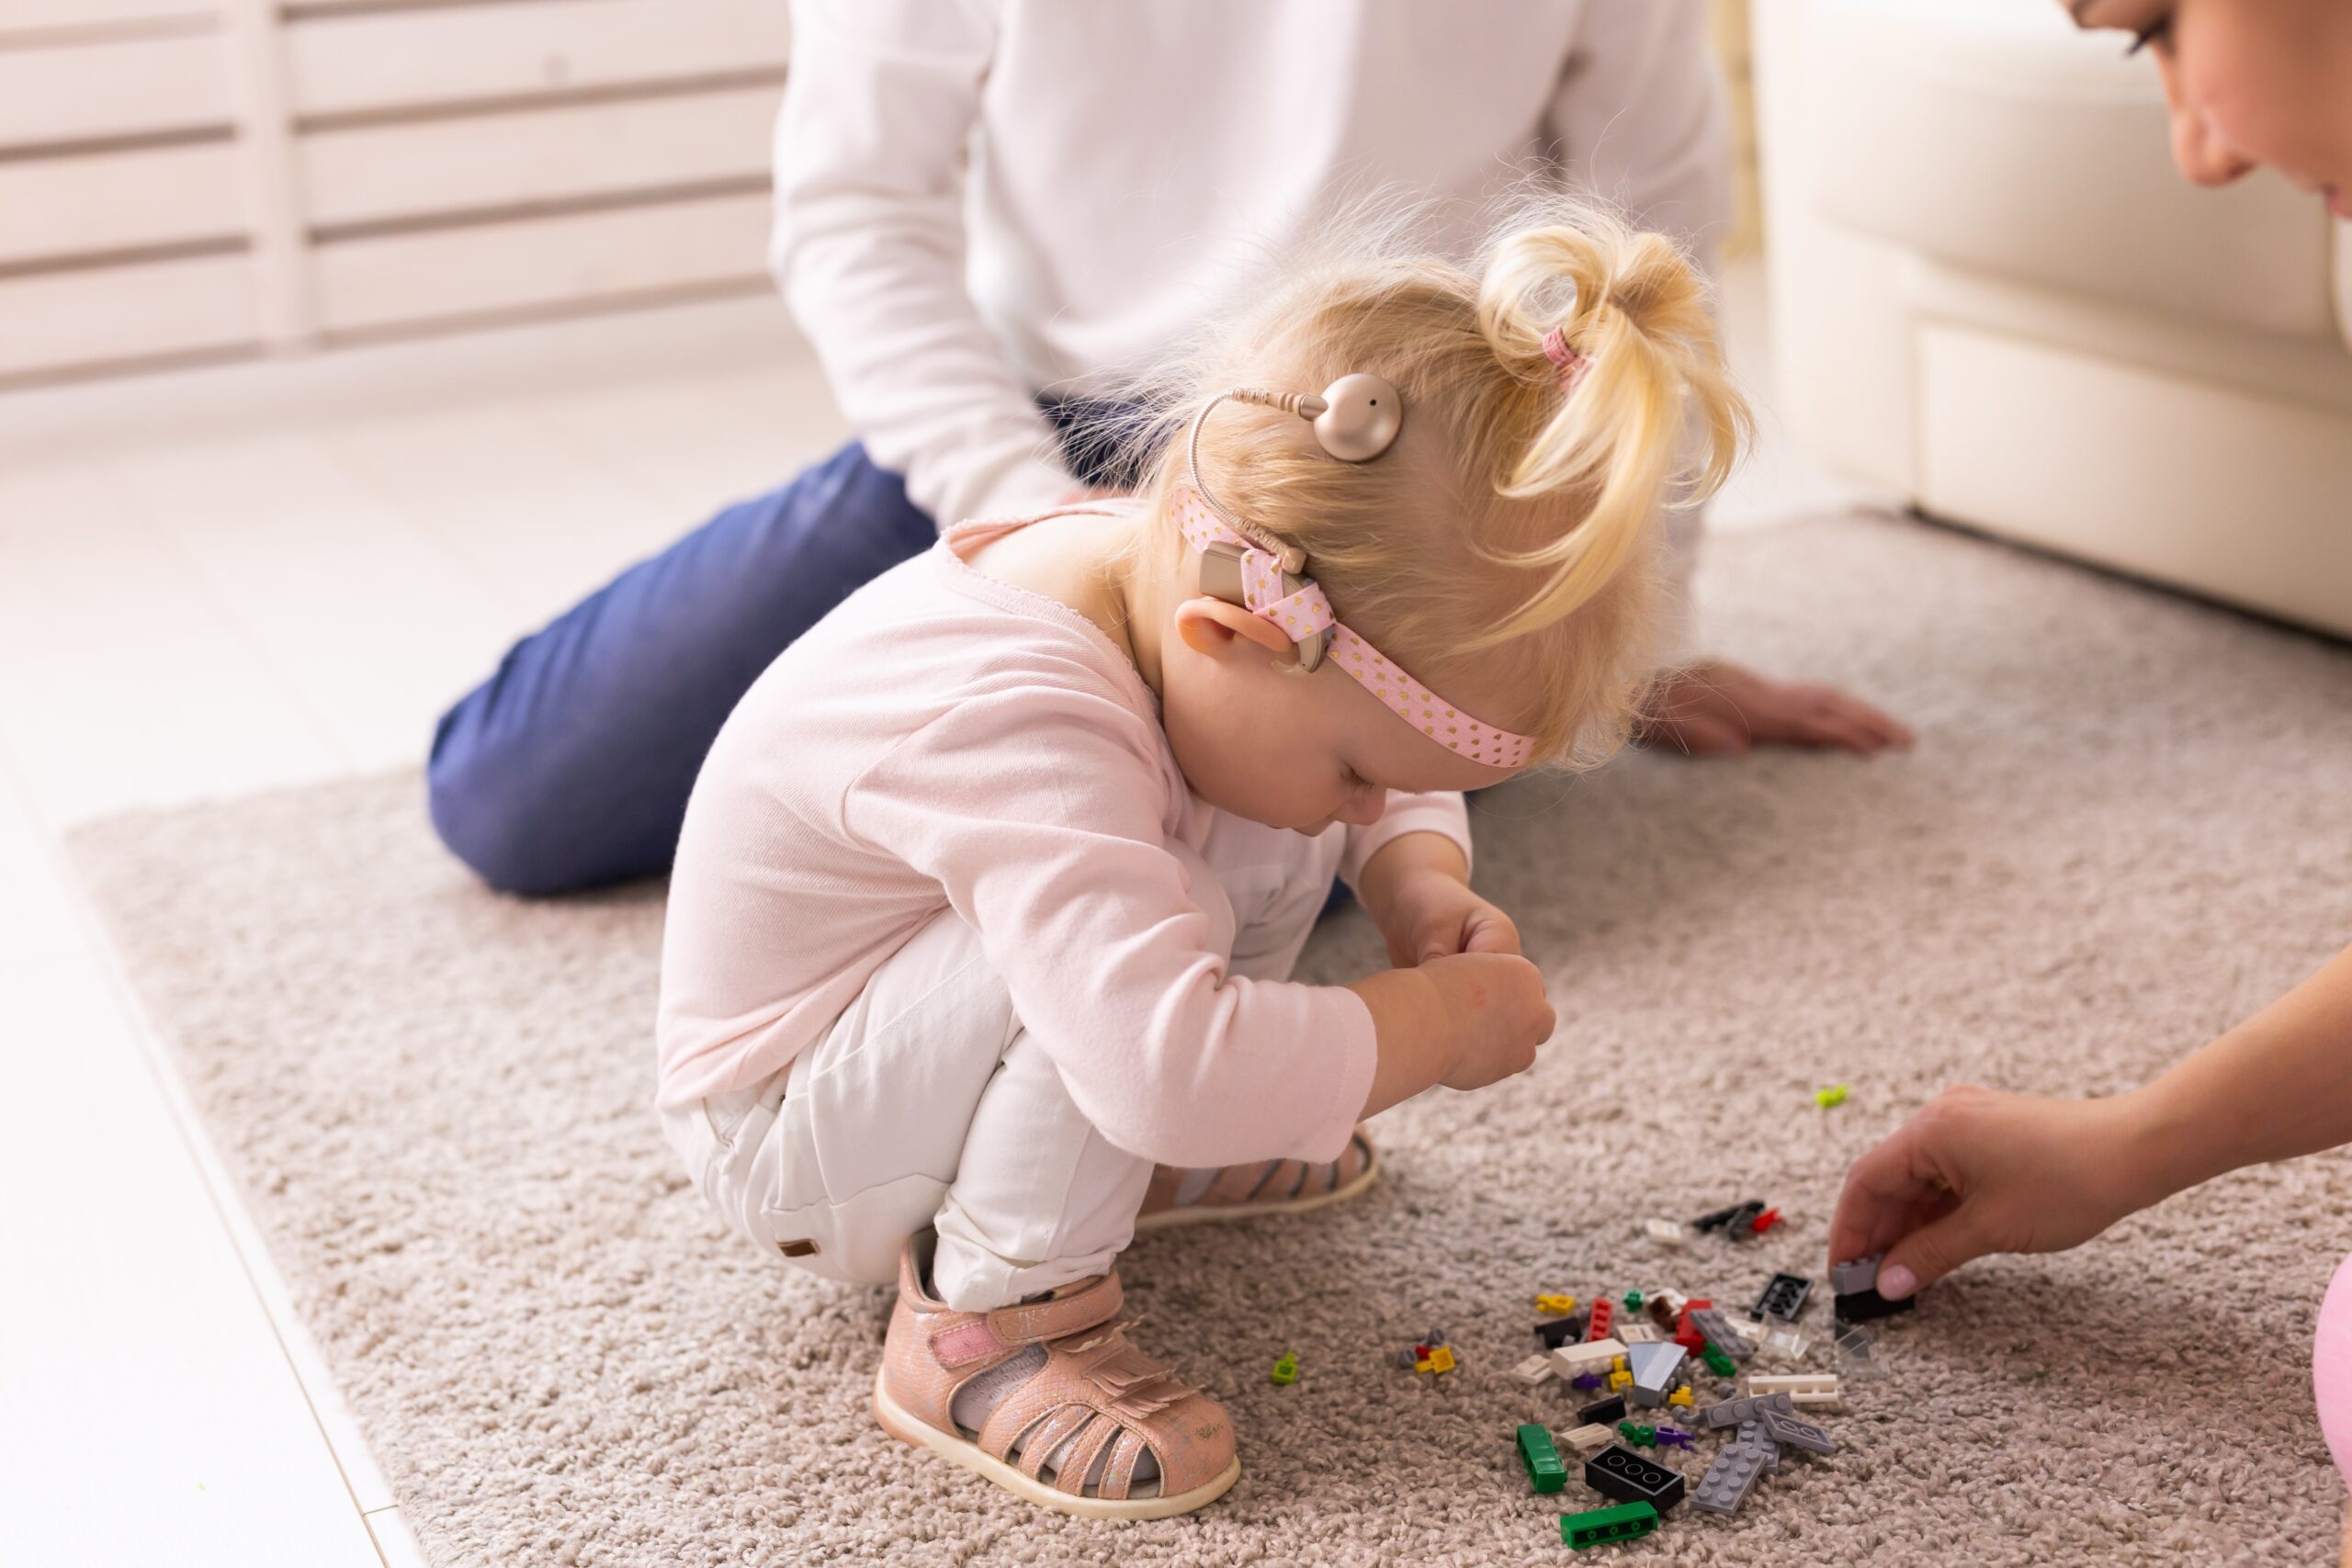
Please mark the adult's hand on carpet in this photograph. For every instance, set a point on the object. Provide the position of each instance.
(1716, 709)
(1978, 1171)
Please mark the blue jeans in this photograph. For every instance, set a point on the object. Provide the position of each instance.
(570, 767)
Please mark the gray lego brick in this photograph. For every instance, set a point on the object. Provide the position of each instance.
(1861, 1274)
(1732, 1411)
(1711, 1322)
(1728, 1481)
(1653, 1367)
(1751, 1435)
(1797, 1433)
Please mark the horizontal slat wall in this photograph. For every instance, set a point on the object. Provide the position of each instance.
(76, 15)
(374, 61)
(115, 88)
(580, 259)
(68, 320)
(190, 176)
(478, 162)
(59, 209)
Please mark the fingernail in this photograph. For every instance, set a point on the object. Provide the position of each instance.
(1896, 1282)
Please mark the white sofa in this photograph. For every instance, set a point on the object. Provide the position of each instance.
(1992, 293)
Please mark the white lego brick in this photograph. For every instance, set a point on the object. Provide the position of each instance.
(1590, 1439)
(1640, 1333)
(1593, 1355)
(1802, 1388)
(1536, 1369)
(1666, 1233)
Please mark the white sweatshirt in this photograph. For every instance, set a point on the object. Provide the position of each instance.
(981, 199)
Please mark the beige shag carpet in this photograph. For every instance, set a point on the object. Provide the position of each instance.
(2128, 822)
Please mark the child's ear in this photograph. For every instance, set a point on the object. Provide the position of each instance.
(1210, 625)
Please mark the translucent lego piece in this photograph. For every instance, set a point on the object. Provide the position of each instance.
(1857, 1354)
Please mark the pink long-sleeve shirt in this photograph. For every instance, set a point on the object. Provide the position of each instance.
(946, 741)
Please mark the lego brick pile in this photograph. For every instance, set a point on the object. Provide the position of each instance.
(1646, 1351)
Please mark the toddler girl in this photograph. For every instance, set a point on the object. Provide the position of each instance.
(987, 895)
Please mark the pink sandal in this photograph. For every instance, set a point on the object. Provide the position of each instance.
(1049, 1401)
(1178, 1197)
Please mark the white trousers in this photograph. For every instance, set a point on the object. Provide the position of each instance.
(928, 1104)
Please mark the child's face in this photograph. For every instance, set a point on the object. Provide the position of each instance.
(1300, 751)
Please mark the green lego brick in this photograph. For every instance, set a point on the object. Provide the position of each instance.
(1545, 1470)
(1717, 1362)
(1286, 1370)
(1597, 1526)
(1640, 1437)
(1632, 1301)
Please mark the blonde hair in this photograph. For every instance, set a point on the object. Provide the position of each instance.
(1511, 520)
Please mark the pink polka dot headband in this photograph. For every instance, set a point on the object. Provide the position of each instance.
(1239, 572)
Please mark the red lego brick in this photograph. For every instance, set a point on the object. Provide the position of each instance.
(1603, 1312)
(1766, 1221)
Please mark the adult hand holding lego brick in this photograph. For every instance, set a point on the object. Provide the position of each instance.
(1978, 1171)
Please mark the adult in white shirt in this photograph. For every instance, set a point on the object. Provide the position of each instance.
(991, 214)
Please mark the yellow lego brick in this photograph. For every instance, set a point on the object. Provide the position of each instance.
(1557, 1307)
(1441, 1359)
(1620, 1381)
(1681, 1396)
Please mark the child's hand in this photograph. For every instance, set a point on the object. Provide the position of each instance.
(1433, 914)
(1499, 1014)
(1465, 1020)
(1978, 1171)
(1462, 1007)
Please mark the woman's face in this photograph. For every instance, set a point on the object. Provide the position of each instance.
(2251, 83)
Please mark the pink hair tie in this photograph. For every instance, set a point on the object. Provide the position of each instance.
(1571, 363)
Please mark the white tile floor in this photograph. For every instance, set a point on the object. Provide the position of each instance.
(231, 580)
